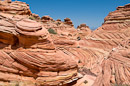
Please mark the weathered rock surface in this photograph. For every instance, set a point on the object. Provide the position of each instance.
(116, 69)
(121, 15)
(92, 49)
(83, 30)
(16, 7)
(68, 21)
(33, 34)
(95, 48)
(106, 38)
(45, 19)
(31, 55)
(27, 53)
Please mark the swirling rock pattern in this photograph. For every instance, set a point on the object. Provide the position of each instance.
(32, 56)
(27, 53)
(116, 69)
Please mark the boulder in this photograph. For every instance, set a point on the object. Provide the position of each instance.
(45, 19)
(58, 20)
(68, 21)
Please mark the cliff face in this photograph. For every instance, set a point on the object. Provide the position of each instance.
(47, 52)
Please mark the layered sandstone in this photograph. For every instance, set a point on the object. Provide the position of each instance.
(116, 70)
(83, 30)
(92, 49)
(27, 53)
(33, 58)
(108, 36)
(45, 19)
(121, 15)
(31, 55)
(16, 7)
(68, 21)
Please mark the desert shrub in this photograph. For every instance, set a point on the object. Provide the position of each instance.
(58, 23)
(51, 31)
(31, 17)
(78, 38)
(85, 82)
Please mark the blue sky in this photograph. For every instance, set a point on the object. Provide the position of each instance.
(91, 12)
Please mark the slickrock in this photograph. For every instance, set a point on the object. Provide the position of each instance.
(27, 53)
(92, 49)
(45, 52)
(116, 69)
(105, 38)
(96, 47)
(36, 60)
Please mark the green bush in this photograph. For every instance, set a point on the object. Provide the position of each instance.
(31, 17)
(51, 31)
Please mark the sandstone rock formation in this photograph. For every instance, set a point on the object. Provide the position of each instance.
(116, 69)
(92, 51)
(68, 21)
(45, 19)
(35, 59)
(93, 48)
(83, 30)
(108, 36)
(35, 17)
(38, 51)
(27, 53)
(16, 7)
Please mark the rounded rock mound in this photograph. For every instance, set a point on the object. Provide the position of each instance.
(33, 34)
